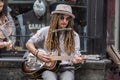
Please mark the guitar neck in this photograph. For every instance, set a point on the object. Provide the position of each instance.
(54, 58)
(85, 57)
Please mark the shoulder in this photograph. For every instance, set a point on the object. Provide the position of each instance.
(43, 29)
(76, 34)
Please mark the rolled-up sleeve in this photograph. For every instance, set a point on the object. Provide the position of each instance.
(77, 44)
(39, 36)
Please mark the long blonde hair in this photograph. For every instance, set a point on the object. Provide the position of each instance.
(52, 41)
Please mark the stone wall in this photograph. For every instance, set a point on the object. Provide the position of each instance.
(91, 70)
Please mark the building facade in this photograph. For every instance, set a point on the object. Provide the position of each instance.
(96, 22)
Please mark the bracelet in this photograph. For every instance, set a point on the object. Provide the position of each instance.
(36, 53)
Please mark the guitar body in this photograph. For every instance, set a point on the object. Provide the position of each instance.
(37, 73)
(33, 67)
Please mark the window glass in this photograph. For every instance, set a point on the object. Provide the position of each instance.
(19, 7)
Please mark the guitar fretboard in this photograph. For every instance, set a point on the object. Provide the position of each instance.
(86, 57)
(61, 57)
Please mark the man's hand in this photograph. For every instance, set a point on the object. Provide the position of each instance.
(78, 59)
(8, 44)
(42, 55)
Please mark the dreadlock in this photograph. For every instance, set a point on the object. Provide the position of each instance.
(69, 43)
(52, 41)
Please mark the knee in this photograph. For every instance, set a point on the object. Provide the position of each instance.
(49, 75)
(67, 75)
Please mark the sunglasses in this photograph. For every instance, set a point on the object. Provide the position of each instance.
(67, 19)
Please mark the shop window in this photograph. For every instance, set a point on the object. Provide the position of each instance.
(80, 11)
(88, 23)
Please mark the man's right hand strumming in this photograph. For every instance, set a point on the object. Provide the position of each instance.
(42, 55)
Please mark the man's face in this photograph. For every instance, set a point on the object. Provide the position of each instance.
(63, 20)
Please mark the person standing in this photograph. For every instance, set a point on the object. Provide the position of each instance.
(60, 39)
(31, 21)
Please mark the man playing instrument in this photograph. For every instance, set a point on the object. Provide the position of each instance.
(59, 39)
(3, 20)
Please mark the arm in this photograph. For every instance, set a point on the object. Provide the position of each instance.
(31, 47)
(35, 39)
(39, 36)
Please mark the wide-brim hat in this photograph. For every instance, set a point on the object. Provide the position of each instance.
(63, 9)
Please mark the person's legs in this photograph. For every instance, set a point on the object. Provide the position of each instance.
(67, 75)
(49, 75)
